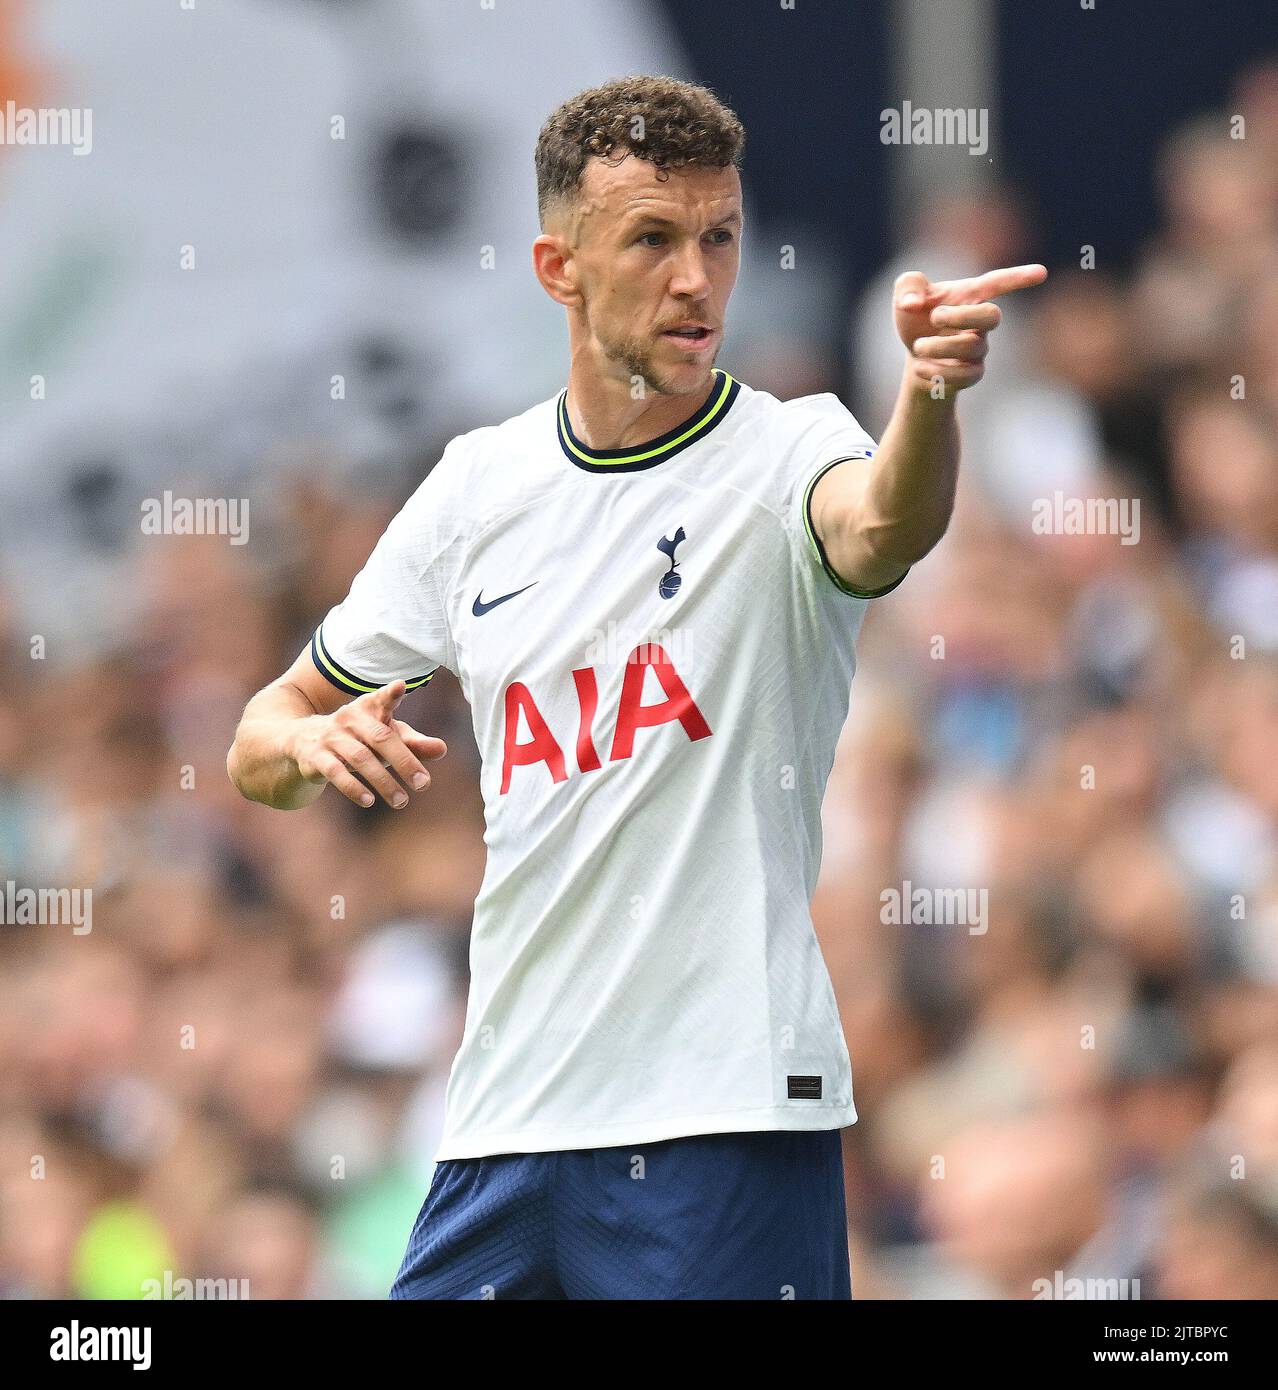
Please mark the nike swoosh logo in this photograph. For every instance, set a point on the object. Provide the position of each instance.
(479, 607)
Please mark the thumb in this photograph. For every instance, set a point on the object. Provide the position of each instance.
(912, 290)
(384, 701)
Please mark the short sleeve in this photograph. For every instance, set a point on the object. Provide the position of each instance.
(393, 624)
(826, 435)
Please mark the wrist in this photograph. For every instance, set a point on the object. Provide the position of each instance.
(924, 382)
(293, 737)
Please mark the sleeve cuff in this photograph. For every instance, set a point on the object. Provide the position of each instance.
(346, 680)
(819, 549)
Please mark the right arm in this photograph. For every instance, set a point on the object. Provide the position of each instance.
(335, 722)
(301, 732)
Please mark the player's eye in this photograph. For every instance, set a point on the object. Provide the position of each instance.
(724, 234)
(645, 237)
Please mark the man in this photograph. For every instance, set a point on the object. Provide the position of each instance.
(649, 588)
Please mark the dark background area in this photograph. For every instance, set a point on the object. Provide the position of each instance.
(1074, 86)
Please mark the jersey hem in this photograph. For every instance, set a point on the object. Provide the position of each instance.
(652, 1132)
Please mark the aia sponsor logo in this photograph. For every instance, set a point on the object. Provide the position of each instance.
(678, 706)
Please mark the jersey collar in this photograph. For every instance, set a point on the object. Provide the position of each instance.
(636, 457)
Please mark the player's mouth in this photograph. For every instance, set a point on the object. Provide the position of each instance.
(690, 337)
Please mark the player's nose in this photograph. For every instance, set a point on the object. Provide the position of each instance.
(690, 279)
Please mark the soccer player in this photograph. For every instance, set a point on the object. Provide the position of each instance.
(650, 589)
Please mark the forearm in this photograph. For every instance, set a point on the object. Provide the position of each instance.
(909, 495)
(261, 762)
(876, 519)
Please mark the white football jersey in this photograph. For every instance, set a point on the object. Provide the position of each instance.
(658, 664)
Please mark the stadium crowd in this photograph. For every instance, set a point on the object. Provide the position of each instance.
(238, 1073)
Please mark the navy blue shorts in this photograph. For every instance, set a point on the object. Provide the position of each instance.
(756, 1216)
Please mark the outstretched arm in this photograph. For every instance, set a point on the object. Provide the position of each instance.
(876, 517)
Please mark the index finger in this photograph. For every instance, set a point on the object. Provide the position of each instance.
(1015, 277)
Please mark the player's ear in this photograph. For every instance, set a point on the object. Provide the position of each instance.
(553, 266)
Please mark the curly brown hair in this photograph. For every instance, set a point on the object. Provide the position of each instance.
(669, 123)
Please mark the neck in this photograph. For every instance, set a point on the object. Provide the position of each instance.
(604, 414)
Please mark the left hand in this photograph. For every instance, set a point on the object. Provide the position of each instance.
(944, 324)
